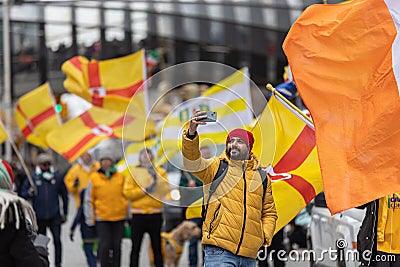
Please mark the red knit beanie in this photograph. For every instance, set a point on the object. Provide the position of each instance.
(8, 168)
(242, 134)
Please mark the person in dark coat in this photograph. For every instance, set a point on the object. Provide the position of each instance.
(46, 203)
(17, 227)
(88, 234)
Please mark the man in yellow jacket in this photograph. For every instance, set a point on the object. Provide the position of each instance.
(241, 215)
(77, 176)
(145, 191)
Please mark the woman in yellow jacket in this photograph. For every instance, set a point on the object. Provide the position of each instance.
(77, 176)
(106, 208)
(145, 191)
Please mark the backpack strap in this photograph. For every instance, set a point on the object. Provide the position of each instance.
(219, 176)
(264, 179)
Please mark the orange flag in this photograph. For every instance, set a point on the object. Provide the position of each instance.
(36, 115)
(85, 131)
(285, 145)
(344, 59)
(109, 83)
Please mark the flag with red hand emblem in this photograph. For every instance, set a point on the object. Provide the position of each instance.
(285, 145)
(36, 115)
(85, 131)
(109, 83)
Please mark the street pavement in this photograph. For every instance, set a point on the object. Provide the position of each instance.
(73, 255)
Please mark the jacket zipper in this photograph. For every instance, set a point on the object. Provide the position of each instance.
(374, 212)
(212, 221)
(245, 211)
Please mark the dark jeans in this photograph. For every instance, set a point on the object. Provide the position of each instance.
(110, 237)
(90, 257)
(55, 229)
(193, 258)
(151, 224)
(276, 245)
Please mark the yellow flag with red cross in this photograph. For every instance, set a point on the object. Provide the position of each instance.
(285, 144)
(36, 115)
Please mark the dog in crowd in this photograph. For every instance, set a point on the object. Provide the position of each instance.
(172, 243)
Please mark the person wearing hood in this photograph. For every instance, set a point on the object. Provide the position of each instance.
(50, 188)
(17, 227)
(77, 176)
(106, 208)
(240, 216)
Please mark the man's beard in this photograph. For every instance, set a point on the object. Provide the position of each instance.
(237, 155)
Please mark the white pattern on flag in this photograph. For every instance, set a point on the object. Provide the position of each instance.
(231, 100)
(394, 9)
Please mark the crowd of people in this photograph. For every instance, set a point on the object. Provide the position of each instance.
(238, 216)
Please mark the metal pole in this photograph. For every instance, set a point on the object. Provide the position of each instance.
(7, 74)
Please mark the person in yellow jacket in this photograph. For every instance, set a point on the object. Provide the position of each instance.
(77, 176)
(106, 208)
(145, 190)
(378, 240)
(240, 216)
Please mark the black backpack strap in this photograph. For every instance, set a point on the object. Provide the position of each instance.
(219, 176)
(264, 179)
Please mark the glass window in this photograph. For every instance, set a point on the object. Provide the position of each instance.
(25, 13)
(87, 17)
(189, 9)
(217, 32)
(269, 16)
(165, 26)
(242, 14)
(215, 11)
(57, 34)
(114, 18)
(57, 14)
(139, 24)
(89, 42)
(164, 7)
(25, 56)
(191, 29)
(139, 6)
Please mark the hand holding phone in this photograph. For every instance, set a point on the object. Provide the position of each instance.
(211, 117)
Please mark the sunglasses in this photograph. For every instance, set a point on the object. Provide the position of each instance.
(46, 164)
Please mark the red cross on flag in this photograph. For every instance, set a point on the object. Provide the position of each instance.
(285, 142)
(109, 83)
(85, 131)
(36, 115)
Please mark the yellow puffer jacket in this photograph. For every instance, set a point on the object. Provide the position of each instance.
(78, 171)
(238, 218)
(104, 200)
(141, 202)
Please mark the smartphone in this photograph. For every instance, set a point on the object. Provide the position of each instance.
(41, 240)
(211, 117)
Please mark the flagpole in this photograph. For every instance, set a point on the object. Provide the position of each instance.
(281, 97)
(20, 158)
(7, 73)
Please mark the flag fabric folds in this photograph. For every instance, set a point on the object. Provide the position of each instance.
(285, 145)
(3, 133)
(36, 115)
(109, 83)
(344, 60)
(85, 131)
(231, 100)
